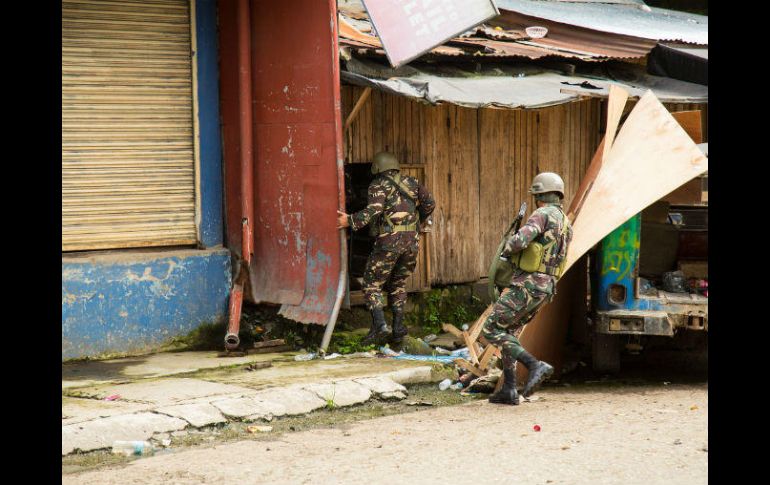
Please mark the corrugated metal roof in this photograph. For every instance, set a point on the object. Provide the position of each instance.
(638, 21)
(507, 86)
(578, 39)
(507, 39)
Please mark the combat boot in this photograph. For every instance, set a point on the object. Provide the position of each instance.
(507, 394)
(399, 329)
(539, 372)
(379, 332)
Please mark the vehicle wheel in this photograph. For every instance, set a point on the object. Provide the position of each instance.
(606, 353)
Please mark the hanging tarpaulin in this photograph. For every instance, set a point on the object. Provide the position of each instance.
(410, 28)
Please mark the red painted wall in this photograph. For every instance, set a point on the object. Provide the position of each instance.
(297, 152)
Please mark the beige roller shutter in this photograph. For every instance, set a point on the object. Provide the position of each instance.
(128, 169)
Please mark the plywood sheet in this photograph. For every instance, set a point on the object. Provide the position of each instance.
(652, 156)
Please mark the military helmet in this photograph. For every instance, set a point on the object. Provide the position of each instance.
(384, 161)
(547, 182)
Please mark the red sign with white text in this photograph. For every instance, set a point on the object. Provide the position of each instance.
(409, 28)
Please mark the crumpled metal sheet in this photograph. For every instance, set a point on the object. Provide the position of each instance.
(510, 86)
(657, 24)
(489, 40)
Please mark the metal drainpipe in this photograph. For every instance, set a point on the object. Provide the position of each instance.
(341, 283)
(232, 341)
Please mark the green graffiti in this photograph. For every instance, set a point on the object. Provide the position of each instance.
(620, 249)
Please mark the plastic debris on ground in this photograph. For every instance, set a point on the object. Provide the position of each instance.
(444, 359)
(356, 355)
(135, 448)
(305, 357)
(114, 397)
(259, 429)
(332, 356)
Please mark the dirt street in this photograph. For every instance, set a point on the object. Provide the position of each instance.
(645, 435)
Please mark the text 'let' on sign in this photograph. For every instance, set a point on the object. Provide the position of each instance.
(409, 28)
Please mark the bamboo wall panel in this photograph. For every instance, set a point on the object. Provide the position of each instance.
(479, 164)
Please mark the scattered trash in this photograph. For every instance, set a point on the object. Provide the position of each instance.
(114, 397)
(536, 427)
(462, 353)
(356, 355)
(665, 383)
(531, 399)
(444, 385)
(258, 365)
(305, 357)
(166, 443)
(389, 352)
(418, 403)
(259, 429)
(693, 407)
(465, 327)
(332, 356)
(647, 288)
(674, 282)
(132, 448)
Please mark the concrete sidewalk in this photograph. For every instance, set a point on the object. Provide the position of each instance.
(171, 392)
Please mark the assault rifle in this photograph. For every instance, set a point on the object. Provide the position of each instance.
(501, 270)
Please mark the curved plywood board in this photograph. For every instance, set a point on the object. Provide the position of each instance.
(651, 156)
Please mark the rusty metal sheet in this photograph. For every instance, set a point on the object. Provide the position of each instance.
(575, 39)
(497, 48)
(409, 28)
(297, 147)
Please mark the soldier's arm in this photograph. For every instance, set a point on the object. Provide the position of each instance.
(427, 204)
(529, 231)
(375, 206)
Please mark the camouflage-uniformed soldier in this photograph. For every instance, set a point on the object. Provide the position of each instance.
(529, 291)
(396, 205)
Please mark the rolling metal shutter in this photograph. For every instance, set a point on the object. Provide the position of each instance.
(128, 165)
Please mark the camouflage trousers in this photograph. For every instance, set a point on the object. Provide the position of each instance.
(389, 265)
(514, 309)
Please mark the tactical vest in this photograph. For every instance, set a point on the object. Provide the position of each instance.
(546, 254)
(383, 224)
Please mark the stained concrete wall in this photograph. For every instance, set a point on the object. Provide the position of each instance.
(132, 301)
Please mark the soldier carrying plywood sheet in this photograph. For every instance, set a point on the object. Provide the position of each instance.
(539, 249)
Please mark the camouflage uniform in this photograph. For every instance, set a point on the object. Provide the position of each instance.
(394, 255)
(528, 291)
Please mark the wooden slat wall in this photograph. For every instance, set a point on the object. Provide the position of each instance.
(419, 280)
(479, 164)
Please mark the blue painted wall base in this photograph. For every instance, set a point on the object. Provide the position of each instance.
(132, 302)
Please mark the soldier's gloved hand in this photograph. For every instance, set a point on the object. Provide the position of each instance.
(342, 220)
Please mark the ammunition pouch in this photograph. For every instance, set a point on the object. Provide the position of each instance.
(535, 256)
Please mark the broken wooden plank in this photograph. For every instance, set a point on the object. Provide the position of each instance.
(448, 327)
(268, 350)
(470, 367)
(471, 348)
(486, 343)
(486, 356)
(269, 343)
